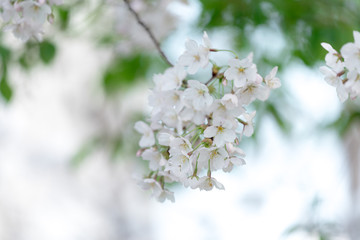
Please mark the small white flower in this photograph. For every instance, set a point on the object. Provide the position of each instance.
(180, 166)
(207, 183)
(248, 129)
(216, 155)
(332, 79)
(165, 138)
(196, 116)
(35, 12)
(241, 71)
(191, 182)
(158, 192)
(148, 139)
(179, 146)
(171, 79)
(236, 157)
(353, 83)
(272, 81)
(221, 134)
(198, 95)
(195, 56)
(8, 11)
(154, 157)
(351, 53)
(333, 58)
(252, 91)
(223, 115)
(230, 101)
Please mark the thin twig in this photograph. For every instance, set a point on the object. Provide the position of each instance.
(147, 29)
(210, 80)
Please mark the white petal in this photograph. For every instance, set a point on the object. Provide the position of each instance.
(147, 141)
(206, 40)
(327, 47)
(235, 63)
(165, 138)
(357, 38)
(141, 127)
(210, 131)
(191, 45)
(217, 184)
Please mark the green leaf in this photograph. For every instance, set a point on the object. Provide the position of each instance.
(5, 54)
(5, 88)
(64, 17)
(47, 51)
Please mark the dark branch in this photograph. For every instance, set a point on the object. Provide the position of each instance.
(146, 28)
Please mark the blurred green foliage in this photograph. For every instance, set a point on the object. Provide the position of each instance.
(33, 53)
(123, 72)
(304, 23)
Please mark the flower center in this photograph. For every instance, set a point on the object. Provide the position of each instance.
(197, 58)
(220, 129)
(213, 154)
(241, 70)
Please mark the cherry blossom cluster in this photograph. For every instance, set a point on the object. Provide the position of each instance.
(195, 126)
(343, 69)
(26, 18)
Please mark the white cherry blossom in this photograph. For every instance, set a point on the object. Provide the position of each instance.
(196, 56)
(241, 71)
(220, 134)
(208, 183)
(248, 128)
(332, 79)
(180, 166)
(158, 192)
(252, 91)
(333, 58)
(179, 146)
(154, 157)
(148, 139)
(351, 53)
(272, 81)
(198, 95)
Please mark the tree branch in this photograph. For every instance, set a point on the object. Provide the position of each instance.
(147, 29)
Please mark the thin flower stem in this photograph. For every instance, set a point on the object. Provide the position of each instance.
(187, 133)
(224, 50)
(196, 166)
(209, 171)
(200, 144)
(210, 80)
(147, 29)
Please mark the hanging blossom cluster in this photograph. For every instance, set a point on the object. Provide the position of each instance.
(26, 18)
(196, 126)
(343, 69)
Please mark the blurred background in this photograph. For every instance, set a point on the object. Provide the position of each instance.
(68, 105)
